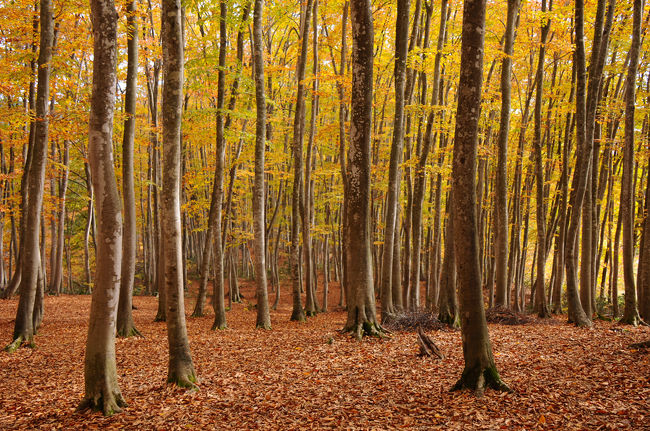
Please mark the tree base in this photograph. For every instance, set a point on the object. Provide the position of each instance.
(160, 318)
(298, 315)
(219, 325)
(18, 343)
(478, 379)
(449, 319)
(366, 328)
(633, 319)
(129, 332)
(265, 326)
(187, 380)
(107, 401)
(311, 313)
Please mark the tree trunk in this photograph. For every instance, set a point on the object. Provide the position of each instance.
(181, 369)
(100, 370)
(630, 313)
(480, 370)
(125, 325)
(31, 258)
(361, 318)
(259, 218)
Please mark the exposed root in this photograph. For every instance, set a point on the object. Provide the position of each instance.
(427, 346)
(641, 345)
(219, 326)
(19, 342)
(133, 332)
(108, 402)
(477, 380)
(186, 381)
(311, 313)
(633, 319)
(366, 328)
(263, 326)
(298, 315)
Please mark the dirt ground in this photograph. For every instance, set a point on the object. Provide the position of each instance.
(308, 376)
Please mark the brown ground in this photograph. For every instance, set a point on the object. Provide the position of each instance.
(307, 376)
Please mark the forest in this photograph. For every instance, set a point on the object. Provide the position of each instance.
(349, 214)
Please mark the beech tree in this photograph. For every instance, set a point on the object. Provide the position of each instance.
(24, 326)
(102, 391)
(259, 219)
(125, 325)
(181, 368)
(480, 371)
(362, 318)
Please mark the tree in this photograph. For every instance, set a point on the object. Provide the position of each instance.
(362, 318)
(259, 220)
(480, 371)
(30, 262)
(181, 369)
(102, 391)
(631, 312)
(125, 325)
(501, 194)
(390, 235)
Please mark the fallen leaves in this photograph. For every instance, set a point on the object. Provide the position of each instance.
(308, 376)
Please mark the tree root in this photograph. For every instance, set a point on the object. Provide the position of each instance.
(133, 332)
(641, 345)
(187, 382)
(18, 343)
(109, 402)
(427, 346)
(634, 320)
(366, 328)
(298, 316)
(478, 380)
(263, 326)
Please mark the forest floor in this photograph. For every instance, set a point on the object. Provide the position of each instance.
(308, 376)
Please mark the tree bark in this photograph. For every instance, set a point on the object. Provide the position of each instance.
(30, 242)
(100, 371)
(259, 219)
(181, 369)
(480, 370)
(125, 325)
(631, 312)
(361, 318)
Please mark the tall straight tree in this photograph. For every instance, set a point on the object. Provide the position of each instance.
(259, 220)
(362, 318)
(480, 370)
(631, 312)
(540, 298)
(392, 198)
(31, 258)
(579, 182)
(298, 312)
(100, 369)
(181, 368)
(125, 325)
(501, 193)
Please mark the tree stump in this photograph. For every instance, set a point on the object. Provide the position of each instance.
(427, 346)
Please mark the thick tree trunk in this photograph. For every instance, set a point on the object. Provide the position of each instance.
(181, 369)
(259, 218)
(480, 370)
(125, 325)
(31, 258)
(361, 300)
(100, 371)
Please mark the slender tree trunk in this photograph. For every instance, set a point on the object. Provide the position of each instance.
(100, 371)
(259, 219)
(125, 325)
(30, 241)
(630, 313)
(501, 204)
(181, 369)
(480, 370)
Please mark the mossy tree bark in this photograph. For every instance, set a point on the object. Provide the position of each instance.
(362, 319)
(102, 391)
(480, 370)
(30, 259)
(259, 219)
(125, 325)
(181, 369)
